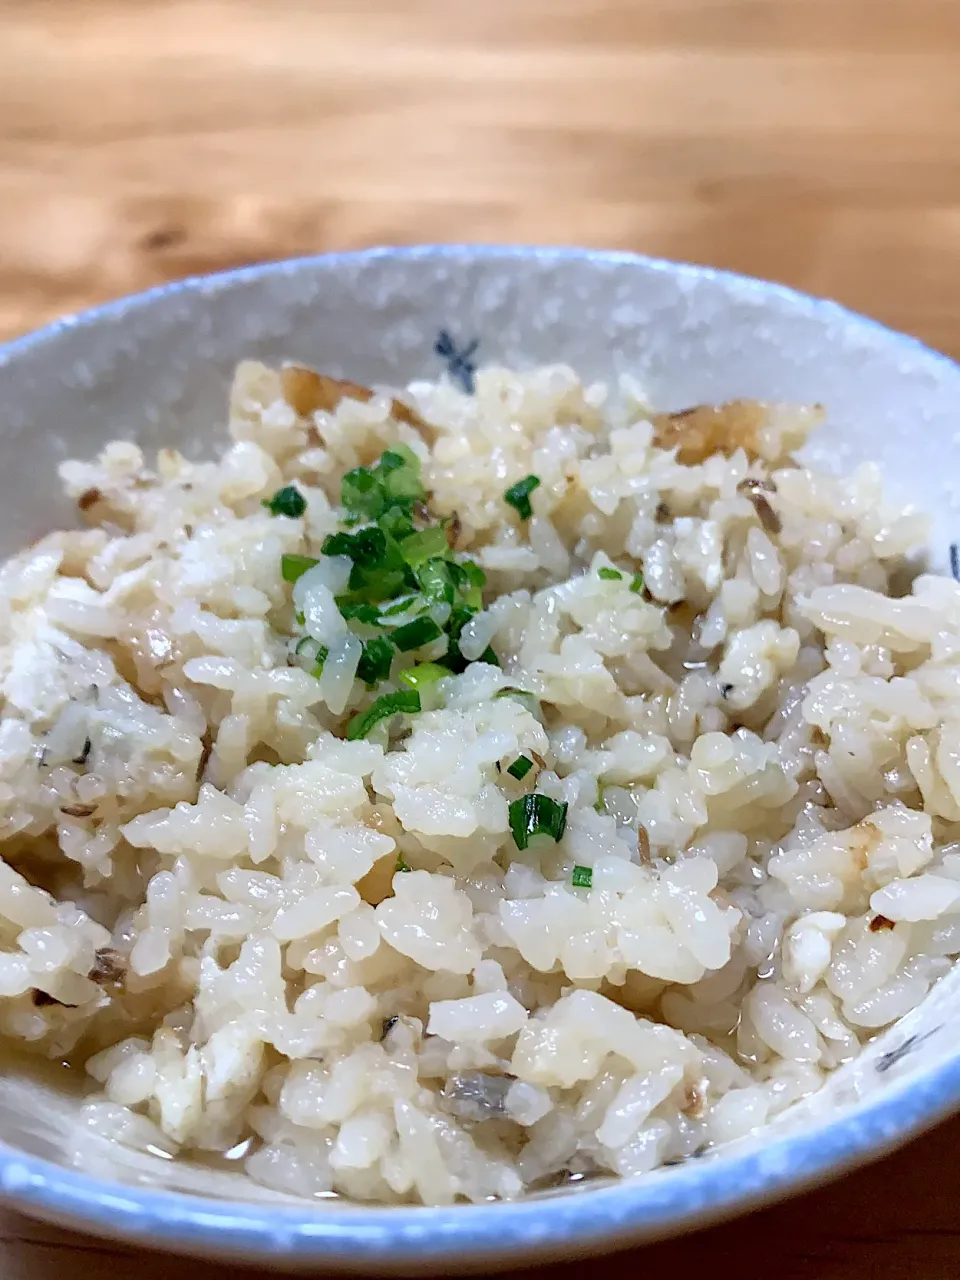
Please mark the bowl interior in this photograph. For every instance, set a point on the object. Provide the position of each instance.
(156, 369)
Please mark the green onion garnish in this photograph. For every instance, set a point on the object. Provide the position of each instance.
(520, 768)
(315, 652)
(537, 815)
(375, 661)
(367, 546)
(425, 545)
(518, 496)
(401, 864)
(489, 657)
(437, 579)
(423, 675)
(406, 701)
(583, 877)
(294, 567)
(471, 580)
(368, 613)
(412, 635)
(609, 575)
(636, 586)
(361, 494)
(288, 501)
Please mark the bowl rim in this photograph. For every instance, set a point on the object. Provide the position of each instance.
(404, 1239)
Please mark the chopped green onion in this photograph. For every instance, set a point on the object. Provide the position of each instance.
(636, 586)
(412, 635)
(391, 460)
(518, 496)
(375, 661)
(536, 815)
(361, 494)
(459, 617)
(402, 484)
(406, 701)
(424, 674)
(375, 584)
(315, 652)
(489, 657)
(404, 605)
(425, 545)
(294, 567)
(300, 616)
(437, 579)
(396, 523)
(401, 864)
(511, 691)
(368, 613)
(471, 580)
(367, 546)
(609, 575)
(520, 768)
(288, 501)
(583, 877)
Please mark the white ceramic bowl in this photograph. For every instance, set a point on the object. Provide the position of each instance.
(156, 368)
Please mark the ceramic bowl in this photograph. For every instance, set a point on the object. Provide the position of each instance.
(156, 367)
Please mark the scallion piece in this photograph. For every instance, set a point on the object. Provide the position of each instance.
(396, 523)
(471, 580)
(636, 586)
(288, 501)
(520, 768)
(489, 657)
(361, 493)
(367, 613)
(518, 496)
(537, 815)
(437, 580)
(423, 675)
(423, 546)
(406, 701)
(314, 652)
(375, 661)
(367, 546)
(412, 635)
(583, 877)
(401, 864)
(608, 574)
(294, 567)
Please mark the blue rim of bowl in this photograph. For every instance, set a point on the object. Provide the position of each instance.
(403, 1239)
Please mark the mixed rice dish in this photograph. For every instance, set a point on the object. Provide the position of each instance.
(444, 796)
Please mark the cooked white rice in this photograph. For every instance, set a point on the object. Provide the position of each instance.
(200, 906)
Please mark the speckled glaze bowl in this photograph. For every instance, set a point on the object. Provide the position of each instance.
(156, 368)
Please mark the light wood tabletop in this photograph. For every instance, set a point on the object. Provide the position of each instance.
(812, 141)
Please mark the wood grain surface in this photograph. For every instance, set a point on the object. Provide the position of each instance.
(812, 141)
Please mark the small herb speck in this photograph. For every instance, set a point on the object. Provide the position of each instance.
(288, 501)
(583, 877)
(518, 496)
(609, 575)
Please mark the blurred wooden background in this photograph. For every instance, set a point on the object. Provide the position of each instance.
(813, 141)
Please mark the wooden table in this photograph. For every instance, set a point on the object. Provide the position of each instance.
(813, 141)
